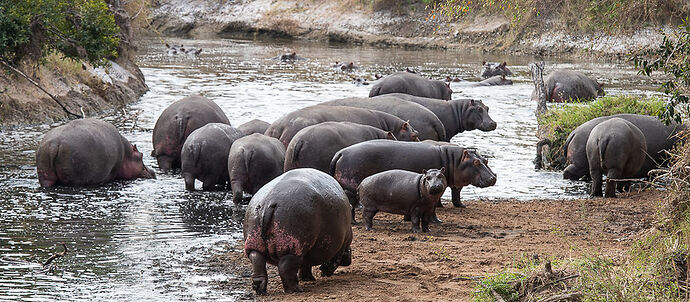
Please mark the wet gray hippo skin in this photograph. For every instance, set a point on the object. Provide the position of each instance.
(402, 192)
(413, 84)
(659, 137)
(254, 126)
(456, 115)
(492, 69)
(253, 161)
(314, 146)
(177, 122)
(492, 81)
(564, 85)
(423, 120)
(87, 152)
(205, 155)
(353, 164)
(298, 220)
(616, 148)
(288, 57)
(286, 127)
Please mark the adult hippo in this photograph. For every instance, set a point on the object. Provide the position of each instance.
(254, 126)
(424, 121)
(410, 83)
(288, 125)
(565, 85)
(659, 137)
(456, 116)
(177, 122)
(498, 80)
(87, 152)
(205, 154)
(491, 69)
(298, 220)
(314, 146)
(252, 162)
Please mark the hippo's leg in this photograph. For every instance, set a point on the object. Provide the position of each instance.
(305, 273)
(435, 218)
(426, 218)
(259, 277)
(188, 181)
(623, 186)
(210, 183)
(368, 217)
(455, 197)
(414, 216)
(596, 182)
(611, 183)
(352, 197)
(287, 268)
(346, 257)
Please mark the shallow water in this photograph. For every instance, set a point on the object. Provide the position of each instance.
(151, 240)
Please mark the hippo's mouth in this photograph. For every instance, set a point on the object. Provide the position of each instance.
(436, 190)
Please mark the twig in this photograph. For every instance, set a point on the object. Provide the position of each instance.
(56, 255)
(467, 278)
(556, 281)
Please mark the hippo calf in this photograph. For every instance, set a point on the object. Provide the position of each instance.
(253, 161)
(254, 126)
(616, 148)
(87, 152)
(413, 84)
(205, 154)
(498, 80)
(565, 85)
(402, 192)
(491, 69)
(298, 220)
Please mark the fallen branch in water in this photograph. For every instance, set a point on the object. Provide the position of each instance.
(56, 255)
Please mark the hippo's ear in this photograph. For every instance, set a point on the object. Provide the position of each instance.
(406, 125)
(472, 102)
(390, 135)
(465, 155)
(423, 171)
(601, 85)
(483, 63)
(443, 170)
(448, 85)
(503, 64)
(134, 148)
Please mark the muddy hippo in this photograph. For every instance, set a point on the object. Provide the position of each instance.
(253, 161)
(288, 125)
(314, 146)
(410, 83)
(659, 138)
(298, 220)
(87, 152)
(205, 155)
(456, 115)
(254, 126)
(402, 192)
(616, 148)
(177, 122)
(423, 120)
(564, 85)
(491, 69)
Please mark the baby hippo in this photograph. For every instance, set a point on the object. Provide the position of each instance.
(205, 155)
(615, 147)
(402, 192)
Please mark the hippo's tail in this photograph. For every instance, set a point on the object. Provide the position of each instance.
(45, 164)
(565, 146)
(334, 162)
(294, 155)
(266, 220)
(602, 145)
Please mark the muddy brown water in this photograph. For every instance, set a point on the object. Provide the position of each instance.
(151, 240)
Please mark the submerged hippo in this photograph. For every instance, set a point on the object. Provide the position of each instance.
(616, 148)
(254, 126)
(314, 146)
(288, 125)
(402, 192)
(410, 83)
(426, 123)
(565, 85)
(456, 116)
(288, 57)
(298, 220)
(253, 161)
(177, 122)
(205, 154)
(498, 80)
(491, 69)
(345, 67)
(87, 152)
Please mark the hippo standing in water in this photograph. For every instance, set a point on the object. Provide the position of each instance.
(205, 154)
(410, 83)
(402, 192)
(456, 116)
(253, 161)
(298, 220)
(565, 85)
(254, 126)
(491, 69)
(314, 146)
(177, 122)
(87, 152)
(616, 148)
(288, 125)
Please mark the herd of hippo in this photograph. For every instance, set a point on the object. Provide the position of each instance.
(309, 170)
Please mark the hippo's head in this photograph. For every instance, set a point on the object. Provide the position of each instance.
(133, 165)
(407, 133)
(473, 169)
(490, 69)
(447, 92)
(600, 89)
(166, 161)
(434, 181)
(476, 116)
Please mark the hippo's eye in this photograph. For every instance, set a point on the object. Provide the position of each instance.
(477, 163)
(481, 110)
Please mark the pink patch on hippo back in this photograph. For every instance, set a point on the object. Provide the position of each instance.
(280, 242)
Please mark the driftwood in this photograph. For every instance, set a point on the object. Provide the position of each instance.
(537, 70)
(540, 146)
(56, 255)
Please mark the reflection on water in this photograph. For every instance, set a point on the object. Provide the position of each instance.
(150, 239)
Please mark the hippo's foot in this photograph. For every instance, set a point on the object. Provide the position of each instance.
(287, 269)
(458, 204)
(435, 219)
(407, 217)
(305, 274)
(259, 285)
(328, 268)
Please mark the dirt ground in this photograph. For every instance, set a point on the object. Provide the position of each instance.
(391, 263)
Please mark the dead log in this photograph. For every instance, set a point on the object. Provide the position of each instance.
(56, 255)
(537, 69)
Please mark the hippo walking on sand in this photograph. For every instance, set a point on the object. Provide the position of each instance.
(177, 122)
(492, 69)
(87, 152)
(205, 154)
(402, 192)
(413, 84)
(253, 161)
(565, 85)
(298, 220)
(254, 126)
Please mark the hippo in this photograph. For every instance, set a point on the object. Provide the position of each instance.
(345, 67)
(410, 83)
(288, 125)
(658, 136)
(456, 116)
(314, 146)
(288, 57)
(564, 85)
(453, 79)
(205, 153)
(423, 120)
(402, 192)
(254, 126)
(491, 69)
(298, 220)
(617, 148)
(253, 161)
(177, 122)
(175, 50)
(498, 80)
(87, 152)
(462, 166)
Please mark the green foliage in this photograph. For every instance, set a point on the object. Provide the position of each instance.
(501, 283)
